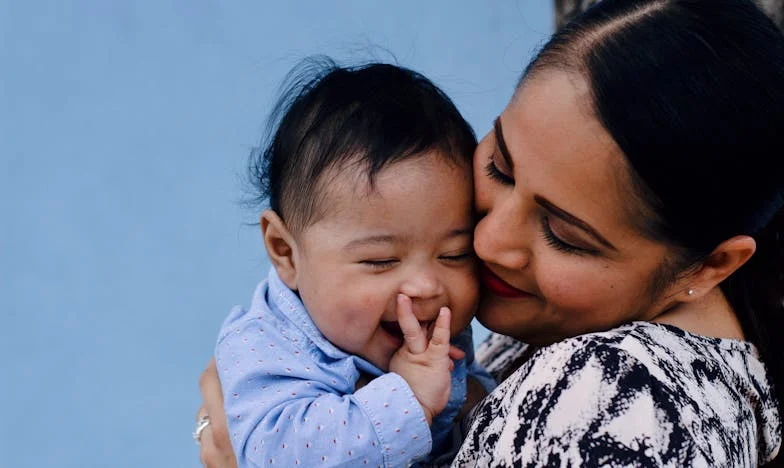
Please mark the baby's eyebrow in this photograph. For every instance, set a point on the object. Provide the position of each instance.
(395, 239)
(372, 240)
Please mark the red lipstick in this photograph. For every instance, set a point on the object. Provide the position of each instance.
(499, 287)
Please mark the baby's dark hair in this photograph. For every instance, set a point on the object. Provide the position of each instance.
(367, 117)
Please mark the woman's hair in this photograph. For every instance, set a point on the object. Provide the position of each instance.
(366, 117)
(692, 91)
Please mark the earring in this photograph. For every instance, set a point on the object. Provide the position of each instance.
(690, 292)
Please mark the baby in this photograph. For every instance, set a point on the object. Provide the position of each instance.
(344, 354)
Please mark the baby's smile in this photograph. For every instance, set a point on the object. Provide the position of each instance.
(393, 327)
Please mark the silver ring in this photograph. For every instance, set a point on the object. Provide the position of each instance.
(201, 424)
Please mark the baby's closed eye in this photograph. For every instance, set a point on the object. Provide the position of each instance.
(380, 264)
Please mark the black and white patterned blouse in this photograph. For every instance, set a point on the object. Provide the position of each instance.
(642, 394)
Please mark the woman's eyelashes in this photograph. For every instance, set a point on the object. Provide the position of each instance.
(494, 173)
(558, 243)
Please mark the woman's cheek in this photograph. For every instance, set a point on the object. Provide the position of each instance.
(577, 289)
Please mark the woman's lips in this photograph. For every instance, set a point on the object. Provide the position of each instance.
(499, 287)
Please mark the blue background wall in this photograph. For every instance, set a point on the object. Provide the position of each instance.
(124, 130)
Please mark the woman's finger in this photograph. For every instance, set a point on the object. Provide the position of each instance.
(414, 336)
(213, 457)
(212, 395)
(201, 412)
(207, 453)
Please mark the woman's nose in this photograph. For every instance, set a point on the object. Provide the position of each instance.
(502, 238)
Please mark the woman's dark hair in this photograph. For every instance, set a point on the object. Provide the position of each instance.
(365, 117)
(692, 91)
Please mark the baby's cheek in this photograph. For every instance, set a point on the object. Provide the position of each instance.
(367, 303)
(465, 308)
(367, 311)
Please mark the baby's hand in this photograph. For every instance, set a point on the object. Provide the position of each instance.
(426, 366)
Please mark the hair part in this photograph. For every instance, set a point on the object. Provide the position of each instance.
(331, 118)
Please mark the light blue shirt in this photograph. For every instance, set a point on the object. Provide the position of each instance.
(290, 394)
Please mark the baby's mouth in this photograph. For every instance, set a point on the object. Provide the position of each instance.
(393, 328)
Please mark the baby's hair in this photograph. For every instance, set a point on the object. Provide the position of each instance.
(332, 118)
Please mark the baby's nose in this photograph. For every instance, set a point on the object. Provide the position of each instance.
(423, 285)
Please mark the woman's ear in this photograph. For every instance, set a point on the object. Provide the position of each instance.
(720, 264)
(281, 247)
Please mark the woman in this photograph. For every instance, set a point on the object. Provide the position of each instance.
(632, 235)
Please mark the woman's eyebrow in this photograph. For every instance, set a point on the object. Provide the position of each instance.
(573, 220)
(499, 138)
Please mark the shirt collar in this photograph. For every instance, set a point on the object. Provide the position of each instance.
(287, 303)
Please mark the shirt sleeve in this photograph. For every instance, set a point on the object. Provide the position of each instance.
(286, 411)
(583, 404)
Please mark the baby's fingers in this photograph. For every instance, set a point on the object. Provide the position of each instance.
(413, 334)
(456, 353)
(440, 339)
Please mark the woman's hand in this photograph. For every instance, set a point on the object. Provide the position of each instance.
(215, 448)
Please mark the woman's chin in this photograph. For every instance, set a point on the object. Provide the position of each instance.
(492, 323)
(509, 320)
(499, 317)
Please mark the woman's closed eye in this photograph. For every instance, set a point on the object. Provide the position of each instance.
(492, 171)
(559, 244)
(497, 173)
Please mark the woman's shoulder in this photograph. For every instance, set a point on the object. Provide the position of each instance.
(498, 353)
(654, 346)
(656, 361)
(667, 356)
(641, 389)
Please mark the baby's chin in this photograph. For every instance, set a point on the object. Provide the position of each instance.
(382, 363)
(385, 347)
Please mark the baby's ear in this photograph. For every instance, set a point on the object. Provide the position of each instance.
(281, 247)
